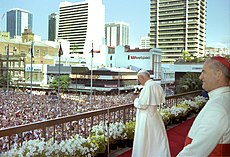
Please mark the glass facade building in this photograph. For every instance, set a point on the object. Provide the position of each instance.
(117, 33)
(17, 21)
(53, 26)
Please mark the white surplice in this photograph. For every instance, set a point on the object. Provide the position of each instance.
(150, 139)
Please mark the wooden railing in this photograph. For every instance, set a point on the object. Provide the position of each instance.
(63, 128)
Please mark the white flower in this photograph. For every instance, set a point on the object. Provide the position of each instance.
(176, 111)
(191, 104)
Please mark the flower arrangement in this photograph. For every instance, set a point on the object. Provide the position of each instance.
(28, 148)
(200, 101)
(98, 129)
(115, 130)
(100, 141)
(185, 108)
(121, 134)
(177, 111)
(166, 115)
(77, 146)
(193, 107)
(129, 130)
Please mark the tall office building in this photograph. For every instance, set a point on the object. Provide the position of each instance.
(53, 26)
(117, 33)
(17, 21)
(177, 26)
(82, 24)
(144, 43)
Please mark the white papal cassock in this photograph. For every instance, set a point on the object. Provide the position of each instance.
(150, 139)
(210, 132)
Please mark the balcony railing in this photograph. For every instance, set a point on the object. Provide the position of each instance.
(63, 128)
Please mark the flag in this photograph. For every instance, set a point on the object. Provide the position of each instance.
(92, 50)
(60, 51)
(32, 49)
(7, 51)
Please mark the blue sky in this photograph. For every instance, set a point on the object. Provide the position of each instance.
(134, 12)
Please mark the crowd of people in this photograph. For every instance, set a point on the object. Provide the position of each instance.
(20, 108)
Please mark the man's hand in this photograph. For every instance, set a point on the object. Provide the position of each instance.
(134, 96)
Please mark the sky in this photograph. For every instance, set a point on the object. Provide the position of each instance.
(134, 12)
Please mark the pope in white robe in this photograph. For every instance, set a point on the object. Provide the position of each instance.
(150, 139)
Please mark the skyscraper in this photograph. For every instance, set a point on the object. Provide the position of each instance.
(17, 21)
(53, 26)
(117, 33)
(177, 26)
(82, 24)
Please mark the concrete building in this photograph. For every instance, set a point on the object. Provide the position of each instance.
(124, 57)
(105, 79)
(116, 68)
(177, 26)
(19, 57)
(17, 21)
(53, 26)
(117, 33)
(168, 73)
(27, 36)
(213, 51)
(144, 43)
(13, 66)
(5, 35)
(82, 24)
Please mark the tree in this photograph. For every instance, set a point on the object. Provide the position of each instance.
(189, 82)
(64, 83)
(186, 56)
(3, 80)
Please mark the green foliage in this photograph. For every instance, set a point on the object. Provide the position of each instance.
(129, 129)
(185, 109)
(100, 142)
(3, 80)
(166, 115)
(64, 83)
(197, 59)
(189, 82)
(186, 56)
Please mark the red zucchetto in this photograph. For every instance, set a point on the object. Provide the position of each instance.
(223, 61)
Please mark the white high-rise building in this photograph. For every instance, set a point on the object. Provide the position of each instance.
(144, 43)
(117, 33)
(82, 24)
(18, 20)
(177, 26)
